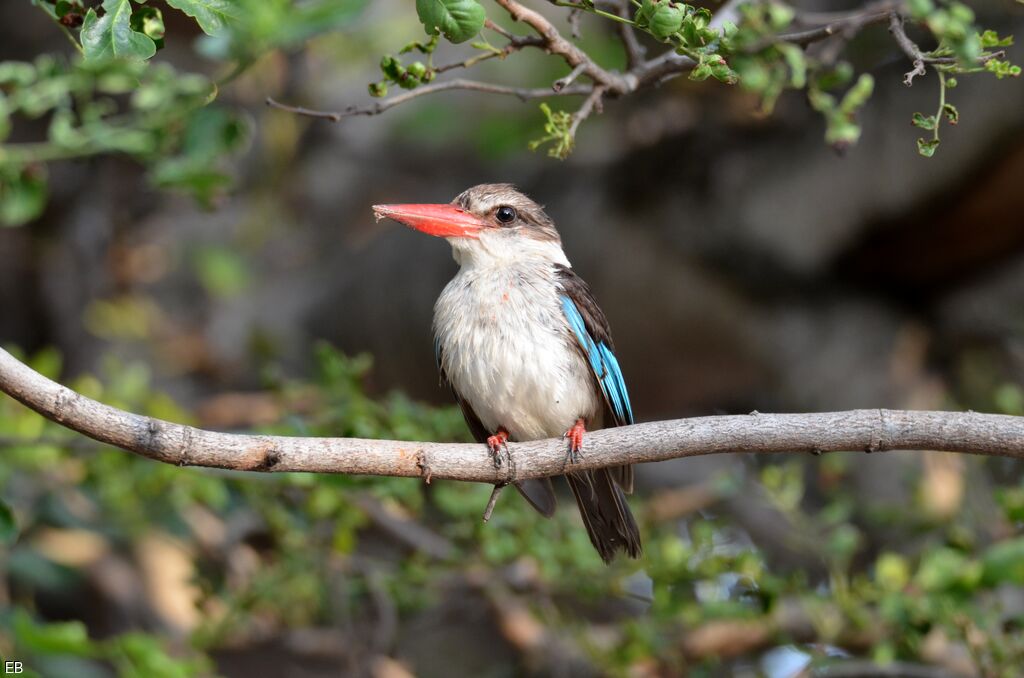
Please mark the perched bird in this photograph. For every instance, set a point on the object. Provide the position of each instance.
(525, 348)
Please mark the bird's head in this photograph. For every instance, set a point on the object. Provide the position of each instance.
(484, 223)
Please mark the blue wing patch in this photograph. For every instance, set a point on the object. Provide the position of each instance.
(602, 363)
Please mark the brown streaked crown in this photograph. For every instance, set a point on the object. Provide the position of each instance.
(488, 200)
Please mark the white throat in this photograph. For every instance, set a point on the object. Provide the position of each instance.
(500, 249)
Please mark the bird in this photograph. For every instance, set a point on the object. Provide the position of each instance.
(526, 350)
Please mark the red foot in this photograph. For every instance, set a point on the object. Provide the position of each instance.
(496, 443)
(575, 436)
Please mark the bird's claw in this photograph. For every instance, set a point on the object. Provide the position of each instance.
(575, 437)
(497, 443)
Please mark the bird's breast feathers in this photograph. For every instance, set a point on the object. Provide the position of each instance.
(508, 351)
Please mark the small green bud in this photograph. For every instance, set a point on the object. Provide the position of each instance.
(378, 89)
(666, 20)
(417, 69)
(391, 67)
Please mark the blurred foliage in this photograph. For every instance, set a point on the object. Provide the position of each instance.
(112, 96)
(115, 95)
(318, 557)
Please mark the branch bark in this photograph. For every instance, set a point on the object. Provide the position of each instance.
(867, 430)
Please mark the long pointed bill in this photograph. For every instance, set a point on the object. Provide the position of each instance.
(445, 221)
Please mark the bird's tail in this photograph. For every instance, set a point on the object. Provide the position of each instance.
(605, 512)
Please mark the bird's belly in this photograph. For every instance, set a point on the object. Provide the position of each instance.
(533, 384)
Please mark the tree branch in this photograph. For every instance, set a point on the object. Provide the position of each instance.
(641, 72)
(912, 51)
(868, 430)
(574, 56)
(522, 93)
(591, 105)
(918, 58)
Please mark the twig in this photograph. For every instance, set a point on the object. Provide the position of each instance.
(471, 85)
(573, 55)
(408, 532)
(591, 105)
(562, 83)
(308, 112)
(493, 501)
(853, 22)
(918, 58)
(574, 23)
(635, 52)
(515, 43)
(499, 30)
(912, 51)
(868, 430)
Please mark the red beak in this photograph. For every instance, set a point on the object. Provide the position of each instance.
(445, 221)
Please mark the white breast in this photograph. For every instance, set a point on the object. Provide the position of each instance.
(507, 350)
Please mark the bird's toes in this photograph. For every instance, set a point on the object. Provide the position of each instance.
(575, 437)
(497, 443)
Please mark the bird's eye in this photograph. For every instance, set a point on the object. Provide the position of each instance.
(505, 214)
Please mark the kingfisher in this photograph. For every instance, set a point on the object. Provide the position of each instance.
(526, 350)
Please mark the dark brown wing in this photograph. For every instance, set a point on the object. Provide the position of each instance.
(597, 327)
(538, 492)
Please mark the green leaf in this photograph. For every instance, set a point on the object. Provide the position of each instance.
(8, 527)
(212, 16)
(1004, 563)
(1002, 69)
(951, 113)
(456, 20)
(57, 638)
(22, 195)
(222, 271)
(701, 72)
(112, 36)
(945, 569)
(992, 39)
(927, 147)
(892, 571)
(797, 63)
(921, 8)
(925, 122)
(859, 94)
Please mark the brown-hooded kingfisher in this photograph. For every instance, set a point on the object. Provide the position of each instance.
(525, 348)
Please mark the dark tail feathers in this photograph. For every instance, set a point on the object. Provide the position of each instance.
(605, 512)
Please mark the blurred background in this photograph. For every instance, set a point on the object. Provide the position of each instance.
(743, 264)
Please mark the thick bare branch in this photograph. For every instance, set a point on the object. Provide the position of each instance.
(867, 430)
